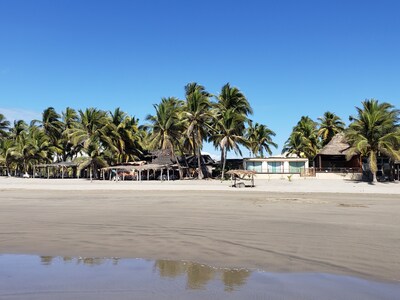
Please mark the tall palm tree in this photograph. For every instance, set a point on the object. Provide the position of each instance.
(329, 125)
(259, 138)
(197, 114)
(69, 121)
(232, 98)
(228, 134)
(374, 130)
(4, 126)
(125, 136)
(166, 127)
(91, 134)
(231, 108)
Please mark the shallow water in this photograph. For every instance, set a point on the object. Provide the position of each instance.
(46, 277)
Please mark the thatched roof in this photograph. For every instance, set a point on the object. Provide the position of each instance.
(337, 146)
(58, 164)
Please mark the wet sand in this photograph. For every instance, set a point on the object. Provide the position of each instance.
(67, 278)
(348, 234)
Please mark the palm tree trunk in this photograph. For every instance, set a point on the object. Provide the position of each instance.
(223, 162)
(200, 171)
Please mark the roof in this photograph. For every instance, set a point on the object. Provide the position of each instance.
(162, 157)
(58, 164)
(337, 146)
(275, 159)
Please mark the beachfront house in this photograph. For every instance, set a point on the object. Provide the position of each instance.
(276, 166)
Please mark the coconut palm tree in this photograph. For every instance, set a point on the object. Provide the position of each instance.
(374, 130)
(303, 140)
(232, 98)
(69, 121)
(166, 127)
(329, 125)
(228, 134)
(231, 108)
(125, 136)
(91, 134)
(4, 126)
(197, 114)
(259, 138)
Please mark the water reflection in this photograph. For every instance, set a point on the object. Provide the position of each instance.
(197, 275)
(65, 278)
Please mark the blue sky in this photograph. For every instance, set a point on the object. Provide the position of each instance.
(290, 58)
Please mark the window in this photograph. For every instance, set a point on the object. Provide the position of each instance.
(296, 166)
(254, 166)
(275, 167)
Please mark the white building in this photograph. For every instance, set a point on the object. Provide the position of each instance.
(276, 167)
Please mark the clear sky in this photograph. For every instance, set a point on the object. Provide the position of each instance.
(290, 58)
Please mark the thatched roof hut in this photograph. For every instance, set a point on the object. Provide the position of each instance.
(337, 146)
(332, 157)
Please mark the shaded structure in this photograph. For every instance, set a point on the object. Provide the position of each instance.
(239, 176)
(332, 157)
(63, 169)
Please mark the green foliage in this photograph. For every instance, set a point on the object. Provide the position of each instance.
(374, 130)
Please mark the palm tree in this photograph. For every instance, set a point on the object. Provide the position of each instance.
(259, 138)
(197, 114)
(232, 98)
(330, 124)
(166, 127)
(231, 109)
(125, 136)
(228, 134)
(303, 140)
(374, 130)
(4, 126)
(69, 121)
(91, 134)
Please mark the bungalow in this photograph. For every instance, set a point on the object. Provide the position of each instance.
(332, 157)
(276, 166)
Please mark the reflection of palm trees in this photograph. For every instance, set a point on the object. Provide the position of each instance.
(198, 275)
(170, 268)
(46, 260)
(234, 278)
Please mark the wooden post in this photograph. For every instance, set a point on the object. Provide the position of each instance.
(148, 174)
(161, 174)
(167, 173)
(48, 172)
(320, 162)
(62, 172)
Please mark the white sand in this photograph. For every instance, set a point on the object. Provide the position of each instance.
(308, 185)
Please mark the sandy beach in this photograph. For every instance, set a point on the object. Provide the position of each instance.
(331, 226)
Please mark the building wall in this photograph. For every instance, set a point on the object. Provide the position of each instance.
(275, 165)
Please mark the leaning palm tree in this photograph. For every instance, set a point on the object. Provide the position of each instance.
(259, 138)
(166, 127)
(329, 125)
(374, 130)
(197, 114)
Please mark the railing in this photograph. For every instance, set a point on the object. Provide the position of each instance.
(339, 170)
